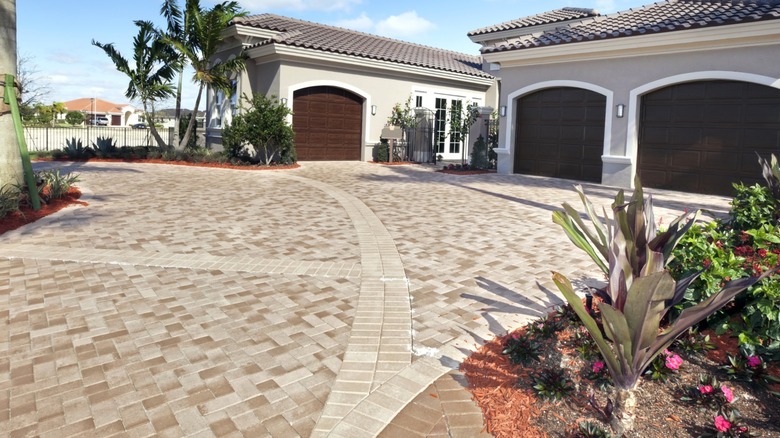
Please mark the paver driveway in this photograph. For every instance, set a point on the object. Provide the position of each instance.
(313, 302)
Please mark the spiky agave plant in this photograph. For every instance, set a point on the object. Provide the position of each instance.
(639, 292)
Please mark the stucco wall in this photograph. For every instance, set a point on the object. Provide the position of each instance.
(380, 88)
(619, 77)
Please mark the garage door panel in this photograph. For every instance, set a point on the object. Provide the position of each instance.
(724, 113)
(711, 136)
(722, 161)
(560, 133)
(762, 113)
(328, 124)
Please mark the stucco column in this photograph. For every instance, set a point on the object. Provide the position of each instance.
(10, 159)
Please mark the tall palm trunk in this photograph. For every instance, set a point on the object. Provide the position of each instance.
(162, 144)
(177, 114)
(10, 160)
(191, 126)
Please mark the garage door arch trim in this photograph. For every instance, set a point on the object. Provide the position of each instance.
(632, 140)
(512, 98)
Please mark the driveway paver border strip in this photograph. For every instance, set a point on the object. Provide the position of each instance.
(380, 344)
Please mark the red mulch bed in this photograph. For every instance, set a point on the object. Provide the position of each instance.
(26, 215)
(394, 163)
(180, 163)
(511, 408)
(465, 172)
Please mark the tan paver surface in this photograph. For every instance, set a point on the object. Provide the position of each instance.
(331, 300)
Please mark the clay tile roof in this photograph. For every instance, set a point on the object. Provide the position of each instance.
(556, 16)
(305, 34)
(99, 105)
(668, 16)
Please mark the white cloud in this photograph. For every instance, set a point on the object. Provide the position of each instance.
(403, 26)
(363, 23)
(606, 6)
(259, 6)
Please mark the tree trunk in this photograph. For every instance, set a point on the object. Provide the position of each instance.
(193, 118)
(10, 159)
(624, 413)
(156, 135)
(177, 114)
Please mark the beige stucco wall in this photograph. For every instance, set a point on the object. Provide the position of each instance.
(623, 80)
(382, 89)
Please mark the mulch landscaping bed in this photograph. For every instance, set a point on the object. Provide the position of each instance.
(180, 163)
(511, 407)
(394, 163)
(465, 172)
(26, 215)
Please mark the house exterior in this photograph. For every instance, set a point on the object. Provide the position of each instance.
(683, 93)
(123, 115)
(342, 85)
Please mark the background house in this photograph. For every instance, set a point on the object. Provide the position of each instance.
(342, 84)
(683, 93)
(117, 114)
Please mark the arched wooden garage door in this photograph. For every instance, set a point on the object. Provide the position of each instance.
(328, 124)
(701, 136)
(560, 133)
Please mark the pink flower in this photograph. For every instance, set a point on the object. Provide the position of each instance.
(761, 252)
(598, 366)
(705, 389)
(722, 424)
(753, 361)
(706, 263)
(515, 336)
(673, 362)
(727, 393)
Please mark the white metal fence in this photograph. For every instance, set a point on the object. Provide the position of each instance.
(47, 139)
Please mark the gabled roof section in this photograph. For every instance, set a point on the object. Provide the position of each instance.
(315, 36)
(668, 16)
(89, 104)
(556, 16)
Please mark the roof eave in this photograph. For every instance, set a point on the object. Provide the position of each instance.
(764, 32)
(362, 62)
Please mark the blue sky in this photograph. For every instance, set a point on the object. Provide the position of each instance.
(56, 35)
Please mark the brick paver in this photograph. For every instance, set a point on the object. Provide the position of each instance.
(331, 300)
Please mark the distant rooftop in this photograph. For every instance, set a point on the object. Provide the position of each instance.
(556, 16)
(315, 36)
(667, 16)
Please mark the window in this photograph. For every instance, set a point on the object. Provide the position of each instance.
(418, 102)
(440, 125)
(233, 97)
(456, 115)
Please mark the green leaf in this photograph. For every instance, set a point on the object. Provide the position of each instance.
(578, 238)
(646, 305)
(616, 328)
(590, 324)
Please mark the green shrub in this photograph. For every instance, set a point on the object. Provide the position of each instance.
(104, 147)
(9, 200)
(746, 244)
(479, 155)
(751, 207)
(57, 184)
(74, 117)
(382, 151)
(75, 150)
(263, 126)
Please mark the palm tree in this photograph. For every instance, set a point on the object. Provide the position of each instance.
(196, 34)
(150, 79)
(10, 160)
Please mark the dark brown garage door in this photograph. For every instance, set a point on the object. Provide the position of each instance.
(701, 136)
(560, 133)
(328, 124)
